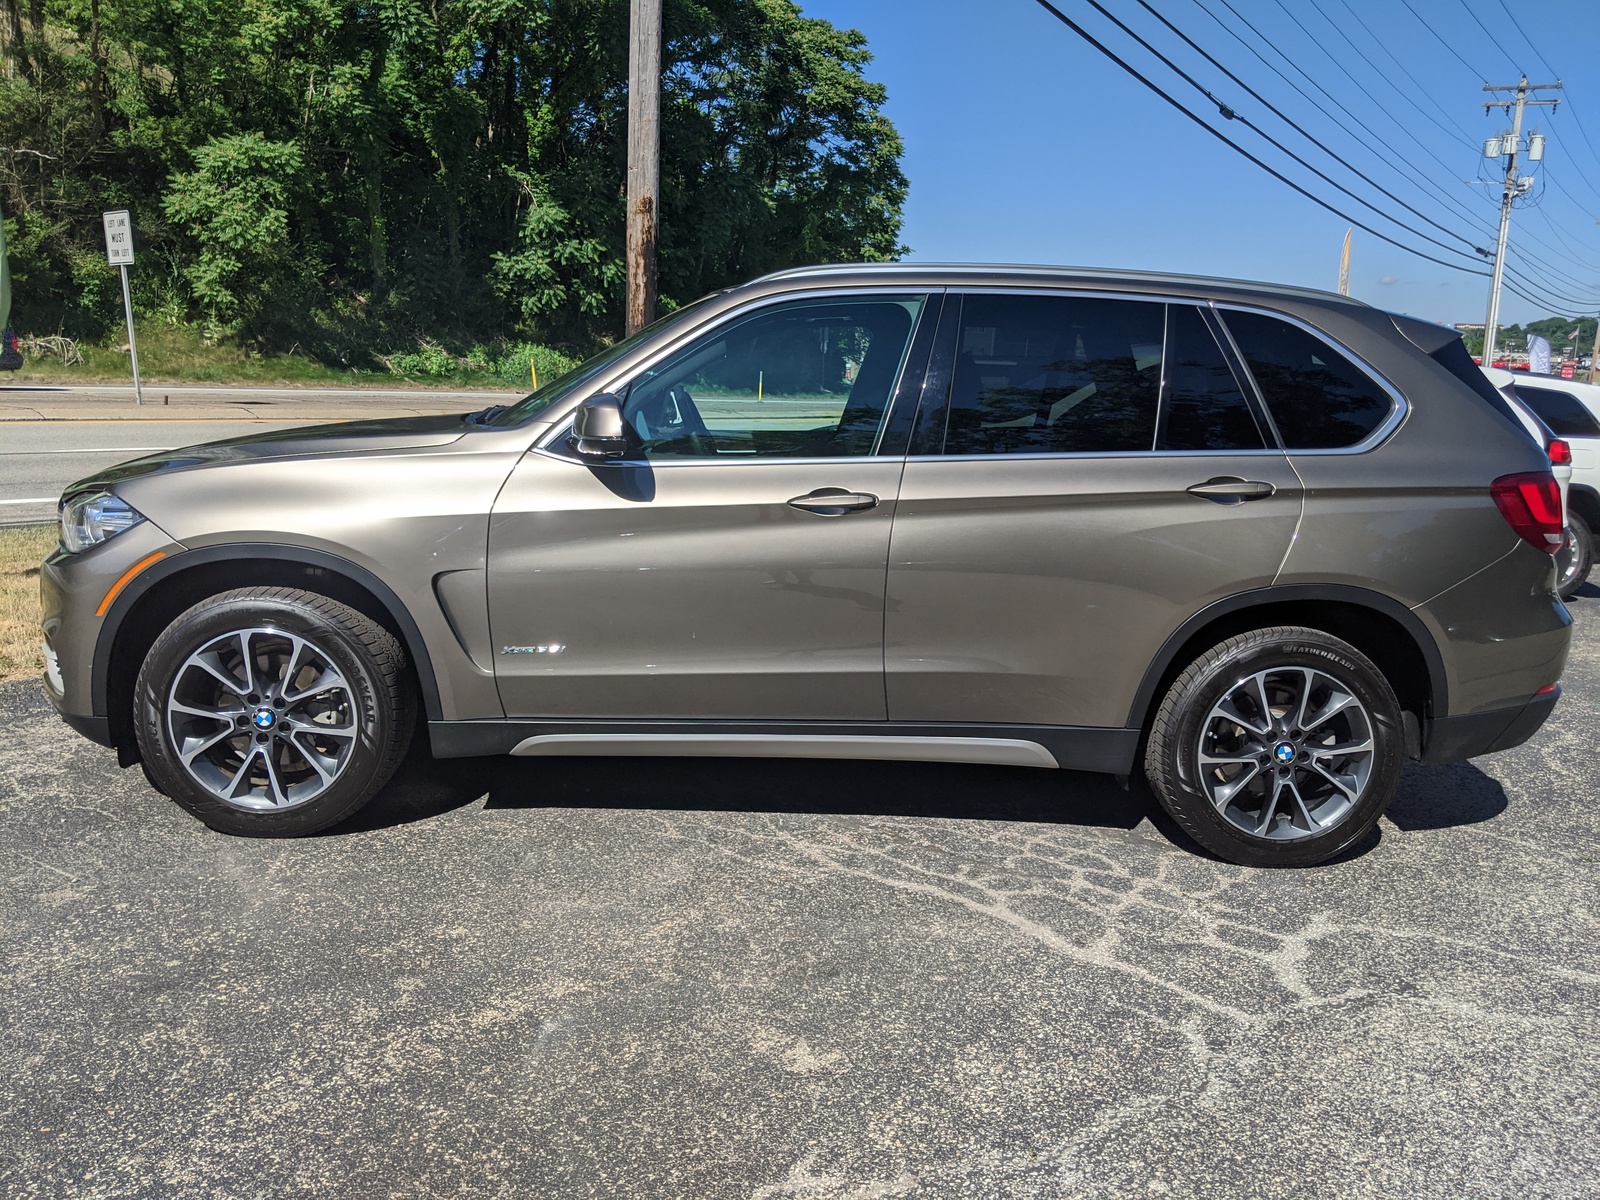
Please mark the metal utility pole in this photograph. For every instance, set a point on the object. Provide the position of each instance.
(1508, 147)
(644, 158)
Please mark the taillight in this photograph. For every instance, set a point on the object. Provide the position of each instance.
(1530, 501)
(1560, 453)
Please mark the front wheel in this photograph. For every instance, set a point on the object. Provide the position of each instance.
(1279, 747)
(272, 712)
(1575, 557)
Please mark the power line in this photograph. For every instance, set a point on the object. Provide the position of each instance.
(1458, 206)
(1377, 150)
(1277, 112)
(1231, 115)
(1221, 137)
(1390, 81)
(1439, 37)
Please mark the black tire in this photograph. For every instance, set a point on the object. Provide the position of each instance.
(1180, 728)
(1576, 558)
(373, 701)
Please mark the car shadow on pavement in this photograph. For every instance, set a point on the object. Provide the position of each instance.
(423, 788)
(1430, 798)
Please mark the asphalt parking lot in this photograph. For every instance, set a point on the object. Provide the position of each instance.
(692, 979)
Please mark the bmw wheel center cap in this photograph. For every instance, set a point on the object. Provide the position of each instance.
(264, 719)
(1284, 753)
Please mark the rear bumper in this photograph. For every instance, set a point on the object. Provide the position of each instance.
(1453, 738)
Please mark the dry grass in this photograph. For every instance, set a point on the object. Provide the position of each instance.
(22, 549)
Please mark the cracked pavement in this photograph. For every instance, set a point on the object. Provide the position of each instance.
(797, 981)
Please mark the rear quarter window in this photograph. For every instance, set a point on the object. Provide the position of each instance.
(1563, 412)
(1318, 398)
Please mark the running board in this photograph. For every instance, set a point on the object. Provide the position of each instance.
(1073, 748)
(1005, 752)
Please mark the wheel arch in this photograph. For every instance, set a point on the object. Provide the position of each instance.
(159, 594)
(1382, 628)
(1585, 501)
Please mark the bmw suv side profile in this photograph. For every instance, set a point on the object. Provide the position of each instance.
(1261, 544)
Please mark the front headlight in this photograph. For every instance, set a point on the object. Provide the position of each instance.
(90, 519)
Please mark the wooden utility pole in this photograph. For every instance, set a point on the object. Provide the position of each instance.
(644, 158)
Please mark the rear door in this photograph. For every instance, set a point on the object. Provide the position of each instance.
(1095, 475)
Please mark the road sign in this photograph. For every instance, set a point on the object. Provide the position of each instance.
(119, 238)
(119, 253)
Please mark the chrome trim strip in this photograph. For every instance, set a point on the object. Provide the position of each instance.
(1010, 752)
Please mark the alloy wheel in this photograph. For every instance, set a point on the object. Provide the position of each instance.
(262, 719)
(1286, 753)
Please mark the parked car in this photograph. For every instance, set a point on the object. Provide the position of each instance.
(1572, 410)
(1575, 557)
(1264, 543)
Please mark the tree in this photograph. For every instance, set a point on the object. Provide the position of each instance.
(343, 174)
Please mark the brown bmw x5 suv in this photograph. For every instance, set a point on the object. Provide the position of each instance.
(1263, 544)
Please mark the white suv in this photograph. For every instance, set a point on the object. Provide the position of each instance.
(1572, 411)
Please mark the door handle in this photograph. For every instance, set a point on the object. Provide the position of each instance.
(1230, 489)
(834, 502)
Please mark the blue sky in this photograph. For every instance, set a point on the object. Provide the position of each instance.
(1024, 144)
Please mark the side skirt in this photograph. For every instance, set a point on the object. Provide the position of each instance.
(1110, 751)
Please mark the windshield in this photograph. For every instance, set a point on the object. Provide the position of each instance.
(564, 385)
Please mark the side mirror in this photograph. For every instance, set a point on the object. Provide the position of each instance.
(597, 429)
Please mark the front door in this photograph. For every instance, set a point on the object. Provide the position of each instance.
(1098, 476)
(732, 564)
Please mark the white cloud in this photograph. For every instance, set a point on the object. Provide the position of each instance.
(1387, 280)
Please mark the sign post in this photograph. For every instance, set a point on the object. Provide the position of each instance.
(119, 253)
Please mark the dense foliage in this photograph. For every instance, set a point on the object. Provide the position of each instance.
(344, 174)
(1575, 334)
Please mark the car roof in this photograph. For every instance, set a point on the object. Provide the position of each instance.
(956, 274)
(1587, 392)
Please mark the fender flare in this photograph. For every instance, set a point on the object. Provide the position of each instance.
(1145, 698)
(416, 647)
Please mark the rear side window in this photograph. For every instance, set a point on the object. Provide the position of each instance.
(1204, 408)
(1055, 374)
(1564, 413)
(1318, 398)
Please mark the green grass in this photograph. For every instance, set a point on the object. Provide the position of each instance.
(22, 549)
(177, 354)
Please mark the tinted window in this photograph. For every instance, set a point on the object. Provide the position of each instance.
(1564, 413)
(808, 378)
(1203, 408)
(1054, 374)
(1318, 398)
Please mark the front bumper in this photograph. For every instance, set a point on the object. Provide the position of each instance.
(1452, 738)
(73, 588)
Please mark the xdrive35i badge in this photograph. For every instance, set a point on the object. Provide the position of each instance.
(553, 648)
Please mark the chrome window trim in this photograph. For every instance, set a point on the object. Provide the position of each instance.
(1400, 407)
(561, 426)
(731, 460)
(1269, 451)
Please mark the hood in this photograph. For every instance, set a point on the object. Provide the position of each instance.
(306, 441)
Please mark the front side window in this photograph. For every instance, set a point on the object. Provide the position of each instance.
(1564, 413)
(807, 378)
(1318, 398)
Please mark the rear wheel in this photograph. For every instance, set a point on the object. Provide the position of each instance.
(1575, 557)
(1277, 748)
(272, 711)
